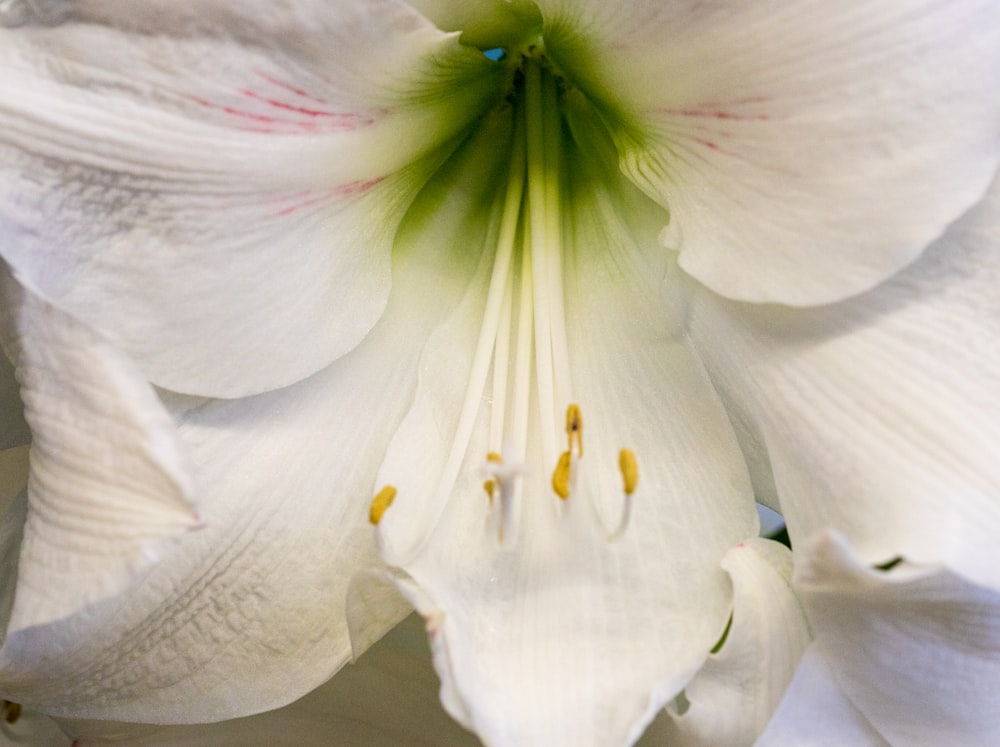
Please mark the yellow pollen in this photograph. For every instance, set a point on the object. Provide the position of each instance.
(630, 470)
(490, 485)
(574, 428)
(560, 476)
(380, 503)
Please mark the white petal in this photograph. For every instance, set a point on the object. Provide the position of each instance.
(815, 713)
(806, 150)
(559, 636)
(249, 612)
(881, 414)
(386, 699)
(735, 694)
(914, 648)
(109, 483)
(222, 203)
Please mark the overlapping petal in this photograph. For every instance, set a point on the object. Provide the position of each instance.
(914, 648)
(559, 635)
(249, 612)
(213, 194)
(881, 415)
(815, 712)
(733, 697)
(800, 147)
(385, 699)
(109, 483)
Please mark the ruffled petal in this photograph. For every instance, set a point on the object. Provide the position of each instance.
(218, 188)
(248, 614)
(815, 712)
(806, 151)
(733, 697)
(385, 699)
(558, 634)
(109, 485)
(914, 648)
(881, 415)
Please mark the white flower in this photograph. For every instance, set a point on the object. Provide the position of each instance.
(267, 260)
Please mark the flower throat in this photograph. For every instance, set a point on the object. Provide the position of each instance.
(523, 329)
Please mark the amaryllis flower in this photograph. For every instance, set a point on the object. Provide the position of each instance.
(564, 287)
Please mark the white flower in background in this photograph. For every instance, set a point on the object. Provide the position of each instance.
(565, 312)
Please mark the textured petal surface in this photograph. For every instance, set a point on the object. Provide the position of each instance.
(558, 635)
(386, 699)
(815, 712)
(216, 185)
(737, 691)
(249, 613)
(806, 150)
(881, 414)
(109, 482)
(915, 648)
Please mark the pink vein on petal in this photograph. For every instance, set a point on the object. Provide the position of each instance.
(350, 189)
(274, 106)
(717, 114)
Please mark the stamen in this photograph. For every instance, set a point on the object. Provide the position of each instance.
(629, 469)
(503, 474)
(561, 475)
(490, 485)
(540, 249)
(381, 503)
(574, 429)
(630, 477)
(564, 473)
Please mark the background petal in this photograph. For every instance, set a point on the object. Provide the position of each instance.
(109, 484)
(806, 151)
(881, 415)
(14, 430)
(815, 713)
(914, 648)
(217, 188)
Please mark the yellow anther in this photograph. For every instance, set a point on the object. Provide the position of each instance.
(380, 503)
(560, 476)
(574, 428)
(630, 470)
(11, 712)
(490, 486)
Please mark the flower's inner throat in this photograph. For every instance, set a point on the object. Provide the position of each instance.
(523, 332)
